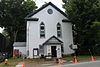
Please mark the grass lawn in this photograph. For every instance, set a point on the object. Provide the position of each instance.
(13, 62)
(82, 58)
(39, 61)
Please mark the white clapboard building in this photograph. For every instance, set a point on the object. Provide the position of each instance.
(49, 32)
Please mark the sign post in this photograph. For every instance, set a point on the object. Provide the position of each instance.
(74, 47)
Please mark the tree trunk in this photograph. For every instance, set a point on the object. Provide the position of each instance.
(15, 35)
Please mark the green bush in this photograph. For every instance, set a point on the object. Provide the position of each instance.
(1, 58)
(97, 50)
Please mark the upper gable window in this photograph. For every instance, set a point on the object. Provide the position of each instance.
(42, 30)
(50, 11)
(59, 34)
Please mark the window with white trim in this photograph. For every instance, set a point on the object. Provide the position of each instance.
(35, 52)
(42, 30)
(59, 34)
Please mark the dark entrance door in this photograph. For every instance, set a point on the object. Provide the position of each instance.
(53, 51)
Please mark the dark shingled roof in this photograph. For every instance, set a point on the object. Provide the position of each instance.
(19, 44)
(32, 19)
(65, 20)
(43, 8)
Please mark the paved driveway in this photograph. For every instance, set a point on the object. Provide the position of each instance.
(84, 64)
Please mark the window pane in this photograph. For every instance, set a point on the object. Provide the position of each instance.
(59, 35)
(42, 35)
(42, 27)
(59, 30)
(42, 30)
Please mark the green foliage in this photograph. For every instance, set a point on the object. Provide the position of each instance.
(95, 30)
(1, 57)
(12, 14)
(83, 14)
(2, 43)
(97, 50)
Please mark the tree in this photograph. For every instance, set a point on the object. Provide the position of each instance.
(83, 13)
(2, 43)
(12, 14)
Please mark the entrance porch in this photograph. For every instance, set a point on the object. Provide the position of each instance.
(52, 47)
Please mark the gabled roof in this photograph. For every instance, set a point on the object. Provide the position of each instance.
(53, 40)
(32, 19)
(43, 8)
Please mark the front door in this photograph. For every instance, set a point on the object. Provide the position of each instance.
(53, 51)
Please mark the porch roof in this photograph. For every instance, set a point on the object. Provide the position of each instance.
(53, 40)
(19, 44)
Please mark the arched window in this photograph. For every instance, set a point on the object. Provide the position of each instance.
(42, 30)
(59, 34)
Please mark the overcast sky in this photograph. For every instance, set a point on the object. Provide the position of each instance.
(58, 3)
(1, 30)
(39, 3)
